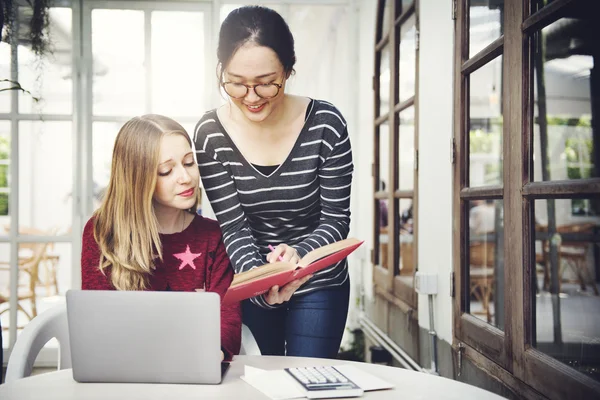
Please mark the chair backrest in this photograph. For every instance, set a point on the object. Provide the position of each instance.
(249, 346)
(481, 254)
(47, 325)
(53, 324)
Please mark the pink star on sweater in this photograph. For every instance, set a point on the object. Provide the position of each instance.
(187, 258)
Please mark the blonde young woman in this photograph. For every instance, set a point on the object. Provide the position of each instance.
(146, 235)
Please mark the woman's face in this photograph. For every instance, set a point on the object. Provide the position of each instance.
(178, 176)
(253, 65)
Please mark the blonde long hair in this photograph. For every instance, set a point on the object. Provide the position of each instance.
(125, 227)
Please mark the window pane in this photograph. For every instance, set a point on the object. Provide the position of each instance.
(564, 144)
(382, 228)
(384, 80)
(404, 4)
(318, 73)
(45, 175)
(485, 24)
(51, 78)
(406, 149)
(103, 141)
(537, 5)
(485, 125)
(118, 52)
(44, 274)
(4, 172)
(5, 74)
(383, 167)
(4, 290)
(407, 259)
(407, 59)
(566, 303)
(178, 74)
(485, 262)
(384, 155)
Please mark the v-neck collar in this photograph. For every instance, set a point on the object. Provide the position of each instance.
(256, 172)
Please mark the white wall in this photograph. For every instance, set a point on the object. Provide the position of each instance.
(362, 146)
(435, 169)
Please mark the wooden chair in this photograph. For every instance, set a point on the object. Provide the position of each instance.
(28, 269)
(49, 264)
(408, 264)
(481, 275)
(574, 255)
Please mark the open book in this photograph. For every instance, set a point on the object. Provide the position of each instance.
(260, 279)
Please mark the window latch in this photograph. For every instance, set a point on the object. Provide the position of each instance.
(461, 349)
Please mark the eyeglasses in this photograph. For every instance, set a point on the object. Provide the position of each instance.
(263, 90)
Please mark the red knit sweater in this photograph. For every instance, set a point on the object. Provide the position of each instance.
(193, 259)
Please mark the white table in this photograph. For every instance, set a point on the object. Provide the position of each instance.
(408, 384)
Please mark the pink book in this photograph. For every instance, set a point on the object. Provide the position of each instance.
(259, 280)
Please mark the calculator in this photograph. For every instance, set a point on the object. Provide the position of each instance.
(324, 382)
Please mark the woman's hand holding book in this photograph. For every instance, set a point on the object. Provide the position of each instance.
(283, 252)
(278, 296)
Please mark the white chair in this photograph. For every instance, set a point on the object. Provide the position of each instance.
(249, 345)
(47, 325)
(53, 324)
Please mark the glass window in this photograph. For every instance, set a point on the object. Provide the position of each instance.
(45, 175)
(119, 55)
(406, 73)
(4, 172)
(486, 24)
(485, 298)
(103, 141)
(407, 249)
(404, 4)
(44, 272)
(562, 113)
(5, 74)
(382, 225)
(383, 186)
(384, 155)
(485, 125)
(178, 66)
(329, 27)
(566, 303)
(4, 289)
(50, 79)
(384, 80)
(406, 149)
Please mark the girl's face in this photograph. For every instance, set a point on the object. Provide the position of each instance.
(178, 176)
(256, 65)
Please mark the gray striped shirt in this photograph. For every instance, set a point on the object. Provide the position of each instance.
(304, 203)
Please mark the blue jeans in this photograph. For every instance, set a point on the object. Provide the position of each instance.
(309, 325)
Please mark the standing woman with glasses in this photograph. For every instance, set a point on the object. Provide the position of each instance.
(277, 170)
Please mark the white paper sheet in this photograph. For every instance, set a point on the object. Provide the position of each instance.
(279, 385)
(363, 379)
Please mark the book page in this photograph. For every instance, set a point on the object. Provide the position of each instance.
(261, 272)
(327, 250)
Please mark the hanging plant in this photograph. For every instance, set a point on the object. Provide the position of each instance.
(34, 14)
(36, 17)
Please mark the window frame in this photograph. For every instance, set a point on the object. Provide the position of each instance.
(387, 281)
(510, 354)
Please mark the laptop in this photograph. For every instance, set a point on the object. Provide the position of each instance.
(145, 337)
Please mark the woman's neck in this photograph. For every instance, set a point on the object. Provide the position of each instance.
(272, 123)
(171, 220)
